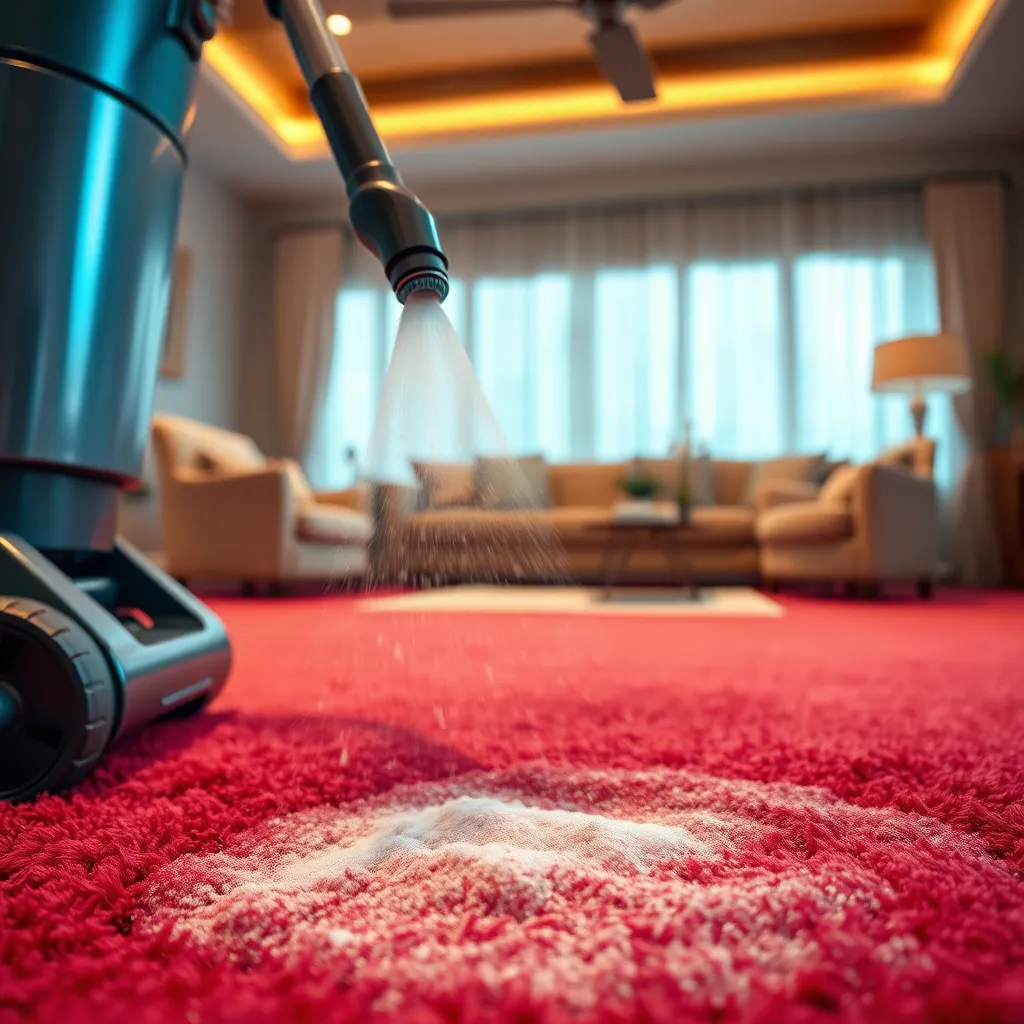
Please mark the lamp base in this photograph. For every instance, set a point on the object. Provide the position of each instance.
(918, 413)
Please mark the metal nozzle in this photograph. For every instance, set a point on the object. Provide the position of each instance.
(385, 215)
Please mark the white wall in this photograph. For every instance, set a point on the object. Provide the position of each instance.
(216, 226)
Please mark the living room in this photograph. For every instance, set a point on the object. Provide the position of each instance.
(793, 228)
(636, 634)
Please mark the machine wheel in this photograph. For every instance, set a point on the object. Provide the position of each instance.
(57, 700)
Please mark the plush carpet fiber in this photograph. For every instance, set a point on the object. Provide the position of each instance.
(427, 817)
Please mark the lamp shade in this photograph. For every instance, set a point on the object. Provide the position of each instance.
(923, 362)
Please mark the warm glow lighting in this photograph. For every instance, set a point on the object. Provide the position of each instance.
(922, 77)
(339, 24)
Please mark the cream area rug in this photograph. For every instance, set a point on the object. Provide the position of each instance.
(742, 602)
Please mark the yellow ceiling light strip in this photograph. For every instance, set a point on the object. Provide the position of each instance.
(922, 77)
(678, 94)
(957, 25)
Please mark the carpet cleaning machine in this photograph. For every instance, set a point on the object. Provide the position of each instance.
(95, 98)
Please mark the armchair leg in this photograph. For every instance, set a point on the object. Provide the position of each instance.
(278, 588)
(773, 586)
(248, 588)
(925, 588)
(869, 591)
(850, 591)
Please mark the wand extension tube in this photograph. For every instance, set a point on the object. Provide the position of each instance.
(385, 215)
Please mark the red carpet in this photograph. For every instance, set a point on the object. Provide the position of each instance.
(439, 819)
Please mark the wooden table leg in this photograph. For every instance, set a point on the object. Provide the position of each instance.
(616, 556)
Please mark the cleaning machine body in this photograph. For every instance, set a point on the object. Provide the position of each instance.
(96, 97)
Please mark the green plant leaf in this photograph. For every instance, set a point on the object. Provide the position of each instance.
(640, 486)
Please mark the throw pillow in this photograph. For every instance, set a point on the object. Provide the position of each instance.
(508, 484)
(901, 456)
(828, 466)
(839, 486)
(798, 468)
(445, 484)
(222, 465)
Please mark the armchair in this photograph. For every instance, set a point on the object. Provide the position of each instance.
(229, 513)
(868, 525)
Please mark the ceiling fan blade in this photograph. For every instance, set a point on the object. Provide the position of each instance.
(455, 8)
(623, 62)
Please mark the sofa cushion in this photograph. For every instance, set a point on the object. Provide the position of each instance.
(801, 468)
(771, 493)
(722, 524)
(731, 476)
(586, 484)
(812, 522)
(329, 524)
(444, 484)
(512, 483)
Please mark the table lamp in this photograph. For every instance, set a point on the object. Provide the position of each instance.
(918, 364)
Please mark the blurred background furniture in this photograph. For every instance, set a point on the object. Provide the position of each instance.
(868, 525)
(1006, 468)
(230, 513)
(864, 525)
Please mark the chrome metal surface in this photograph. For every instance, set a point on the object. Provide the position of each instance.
(58, 511)
(128, 47)
(315, 47)
(89, 195)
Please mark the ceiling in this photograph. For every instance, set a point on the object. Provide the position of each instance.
(735, 77)
(384, 51)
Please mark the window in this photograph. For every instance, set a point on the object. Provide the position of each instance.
(843, 306)
(758, 356)
(735, 362)
(635, 342)
(520, 347)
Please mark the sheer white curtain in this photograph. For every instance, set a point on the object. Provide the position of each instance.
(306, 283)
(967, 224)
(601, 333)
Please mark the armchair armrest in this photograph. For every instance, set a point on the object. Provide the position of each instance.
(351, 497)
(237, 526)
(897, 515)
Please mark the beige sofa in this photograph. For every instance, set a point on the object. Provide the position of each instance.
(561, 540)
(870, 524)
(229, 513)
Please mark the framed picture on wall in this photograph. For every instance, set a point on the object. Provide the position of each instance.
(172, 356)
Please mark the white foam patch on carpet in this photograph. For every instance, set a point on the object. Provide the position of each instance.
(713, 601)
(570, 887)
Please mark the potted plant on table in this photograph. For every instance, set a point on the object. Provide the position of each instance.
(1008, 385)
(640, 491)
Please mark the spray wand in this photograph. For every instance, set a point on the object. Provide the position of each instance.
(385, 215)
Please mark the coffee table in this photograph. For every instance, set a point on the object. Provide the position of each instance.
(623, 539)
